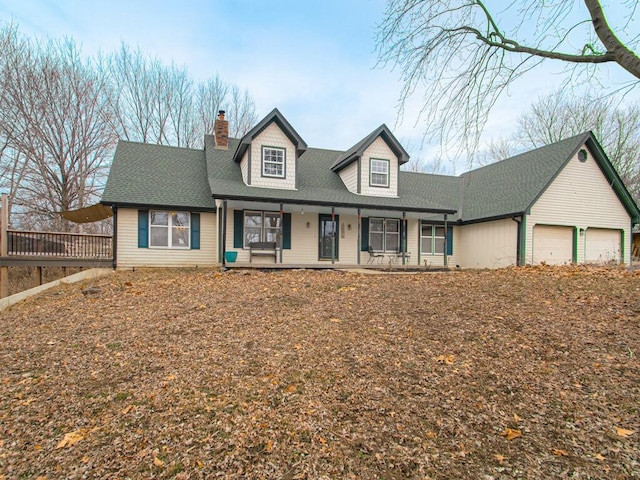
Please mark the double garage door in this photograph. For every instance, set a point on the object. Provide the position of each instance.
(554, 245)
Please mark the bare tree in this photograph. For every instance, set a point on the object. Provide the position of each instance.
(463, 54)
(156, 103)
(54, 120)
(616, 127)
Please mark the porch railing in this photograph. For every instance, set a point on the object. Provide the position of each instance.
(57, 244)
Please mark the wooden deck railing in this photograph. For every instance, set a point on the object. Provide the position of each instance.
(57, 244)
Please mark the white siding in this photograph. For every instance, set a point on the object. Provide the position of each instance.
(244, 167)
(272, 136)
(305, 242)
(129, 255)
(581, 197)
(349, 176)
(488, 244)
(602, 245)
(552, 245)
(380, 150)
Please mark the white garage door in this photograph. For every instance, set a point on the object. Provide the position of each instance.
(602, 245)
(552, 245)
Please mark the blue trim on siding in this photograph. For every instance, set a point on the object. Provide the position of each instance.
(195, 231)
(143, 228)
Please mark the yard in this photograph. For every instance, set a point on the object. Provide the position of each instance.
(519, 373)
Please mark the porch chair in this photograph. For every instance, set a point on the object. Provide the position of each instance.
(373, 255)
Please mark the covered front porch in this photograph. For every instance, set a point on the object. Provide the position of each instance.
(259, 234)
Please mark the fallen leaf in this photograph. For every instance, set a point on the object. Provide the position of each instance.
(499, 458)
(516, 417)
(127, 409)
(335, 320)
(597, 456)
(510, 433)
(431, 434)
(447, 359)
(157, 462)
(623, 432)
(71, 438)
(269, 446)
(560, 453)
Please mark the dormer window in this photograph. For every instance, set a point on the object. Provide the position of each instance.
(379, 173)
(273, 162)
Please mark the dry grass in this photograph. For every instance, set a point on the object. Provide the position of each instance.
(518, 373)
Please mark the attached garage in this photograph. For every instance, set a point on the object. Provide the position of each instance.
(602, 245)
(552, 244)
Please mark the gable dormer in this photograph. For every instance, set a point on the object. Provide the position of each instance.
(371, 166)
(268, 153)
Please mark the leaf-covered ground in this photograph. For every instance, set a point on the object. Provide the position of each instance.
(517, 373)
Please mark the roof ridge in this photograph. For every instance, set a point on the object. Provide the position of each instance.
(157, 145)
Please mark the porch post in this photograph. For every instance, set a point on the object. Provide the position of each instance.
(446, 240)
(359, 235)
(114, 239)
(281, 230)
(403, 240)
(333, 240)
(224, 234)
(4, 244)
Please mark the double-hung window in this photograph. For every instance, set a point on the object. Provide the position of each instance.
(273, 162)
(261, 227)
(379, 172)
(384, 234)
(169, 229)
(432, 239)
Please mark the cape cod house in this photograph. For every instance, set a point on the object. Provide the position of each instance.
(269, 199)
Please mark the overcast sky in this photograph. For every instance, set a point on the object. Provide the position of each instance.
(314, 60)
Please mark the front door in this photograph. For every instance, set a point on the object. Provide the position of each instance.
(328, 237)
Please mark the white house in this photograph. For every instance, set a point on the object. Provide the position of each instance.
(268, 199)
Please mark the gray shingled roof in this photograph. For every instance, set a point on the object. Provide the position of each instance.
(317, 184)
(511, 186)
(156, 175)
(151, 175)
(345, 158)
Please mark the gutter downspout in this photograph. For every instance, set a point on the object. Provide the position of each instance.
(520, 239)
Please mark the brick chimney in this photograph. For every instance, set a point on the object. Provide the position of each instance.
(221, 131)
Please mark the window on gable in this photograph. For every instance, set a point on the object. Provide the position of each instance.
(261, 227)
(273, 162)
(169, 229)
(379, 173)
(432, 239)
(384, 234)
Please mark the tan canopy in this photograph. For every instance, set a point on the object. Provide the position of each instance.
(90, 214)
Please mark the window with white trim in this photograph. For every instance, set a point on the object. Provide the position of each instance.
(273, 162)
(169, 229)
(384, 234)
(379, 176)
(432, 241)
(261, 227)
